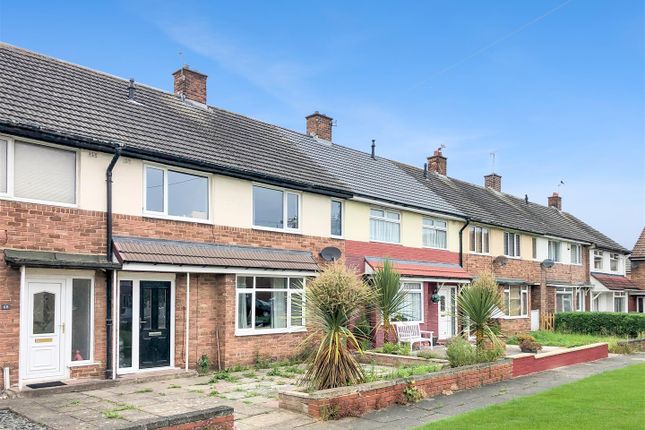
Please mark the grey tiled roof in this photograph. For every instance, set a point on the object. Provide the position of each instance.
(52, 95)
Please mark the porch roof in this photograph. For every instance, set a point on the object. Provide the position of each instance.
(615, 282)
(178, 253)
(60, 260)
(421, 268)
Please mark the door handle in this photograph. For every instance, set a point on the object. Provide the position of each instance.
(62, 328)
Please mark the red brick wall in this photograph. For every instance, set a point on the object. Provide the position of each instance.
(9, 320)
(638, 274)
(530, 363)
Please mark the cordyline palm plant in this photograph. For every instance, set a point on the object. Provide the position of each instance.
(334, 299)
(478, 303)
(390, 299)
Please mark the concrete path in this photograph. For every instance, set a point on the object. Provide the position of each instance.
(432, 409)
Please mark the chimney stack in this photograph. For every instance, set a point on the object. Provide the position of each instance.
(493, 181)
(555, 201)
(437, 163)
(190, 84)
(319, 125)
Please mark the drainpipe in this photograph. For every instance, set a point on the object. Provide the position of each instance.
(110, 273)
(461, 243)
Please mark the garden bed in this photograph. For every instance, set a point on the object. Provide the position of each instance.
(572, 340)
(358, 399)
(395, 360)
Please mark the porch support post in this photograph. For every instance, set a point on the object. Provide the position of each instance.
(23, 313)
(115, 309)
(186, 336)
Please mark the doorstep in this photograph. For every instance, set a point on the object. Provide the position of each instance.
(78, 385)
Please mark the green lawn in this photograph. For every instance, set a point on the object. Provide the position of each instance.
(610, 400)
(568, 340)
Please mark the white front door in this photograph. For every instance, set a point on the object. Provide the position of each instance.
(45, 330)
(447, 310)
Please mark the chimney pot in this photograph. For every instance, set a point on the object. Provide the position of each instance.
(493, 181)
(190, 84)
(555, 201)
(319, 125)
(437, 163)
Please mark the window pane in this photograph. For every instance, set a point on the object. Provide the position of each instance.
(525, 302)
(244, 282)
(3, 166)
(440, 224)
(534, 244)
(273, 283)
(412, 306)
(485, 240)
(297, 314)
(125, 324)
(296, 283)
(44, 316)
(384, 231)
(270, 309)
(336, 218)
(393, 215)
(187, 195)
(81, 319)
(472, 239)
(154, 189)
(292, 210)
(515, 302)
(44, 173)
(244, 310)
(377, 213)
(267, 207)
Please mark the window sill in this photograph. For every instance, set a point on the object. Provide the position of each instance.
(277, 230)
(487, 254)
(176, 218)
(383, 241)
(239, 333)
(513, 257)
(40, 202)
(82, 363)
(434, 247)
(519, 317)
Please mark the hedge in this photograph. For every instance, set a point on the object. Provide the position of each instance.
(601, 323)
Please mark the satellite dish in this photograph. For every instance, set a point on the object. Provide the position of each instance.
(331, 253)
(500, 261)
(547, 264)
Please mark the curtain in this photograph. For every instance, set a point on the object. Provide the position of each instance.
(384, 231)
(243, 311)
(279, 309)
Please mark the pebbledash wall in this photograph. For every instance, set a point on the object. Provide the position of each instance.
(51, 228)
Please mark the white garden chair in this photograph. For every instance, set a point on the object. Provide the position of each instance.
(411, 333)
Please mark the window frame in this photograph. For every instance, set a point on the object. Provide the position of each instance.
(569, 291)
(165, 214)
(559, 251)
(402, 285)
(623, 298)
(10, 172)
(524, 301)
(285, 202)
(258, 332)
(516, 239)
(578, 254)
(342, 219)
(534, 248)
(472, 234)
(598, 254)
(614, 257)
(385, 219)
(435, 228)
(69, 305)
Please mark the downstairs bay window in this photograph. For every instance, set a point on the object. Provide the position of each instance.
(267, 304)
(516, 301)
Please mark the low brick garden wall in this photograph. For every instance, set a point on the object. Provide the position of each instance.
(637, 344)
(525, 364)
(217, 418)
(359, 399)
(393, 360)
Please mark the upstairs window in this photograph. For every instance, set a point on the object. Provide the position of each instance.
(597, 260)
(576, 254)
(385, 225)
(511, 244)
(479, 242)
(534, 247)
(516, 301)
(275, 208)
(176, 194)
(554, 250)
(37, 172)
(613, 262)
(336, 218)
(435, 233)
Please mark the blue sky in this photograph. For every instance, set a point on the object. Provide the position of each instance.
(555, 89)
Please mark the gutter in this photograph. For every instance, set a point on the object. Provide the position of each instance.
(110, 255)
(461, 242)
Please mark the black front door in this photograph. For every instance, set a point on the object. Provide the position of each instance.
(154, 324)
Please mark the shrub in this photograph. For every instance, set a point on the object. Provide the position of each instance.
(363, 331)
(527, 343)
(601, 323)
(412, 393)
(477, 303)
(394, 348)
(390, 298)
(461, 353)
(203, 365)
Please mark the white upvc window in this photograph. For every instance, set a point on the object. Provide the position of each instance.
(511, 244)
(479, 240)
(82, 321)
(597, 259)
(435, 233)
(564, 299)
(413, 303)
(385, 225)
(276, 209)
(580, 299)
(554, 250)
(176, 194)
(516, 301)
(37, 172)
(613, 261)
(534, 247)
(269, 304)
(576, 254)
(620, 302)
(336, 218)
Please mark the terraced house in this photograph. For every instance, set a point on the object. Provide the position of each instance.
(142, 229)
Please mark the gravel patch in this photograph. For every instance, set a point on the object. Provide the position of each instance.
(12, 421)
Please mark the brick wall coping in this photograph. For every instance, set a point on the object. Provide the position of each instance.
(179, 419)
(332, 393)
(369, 356)
(559, 351)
